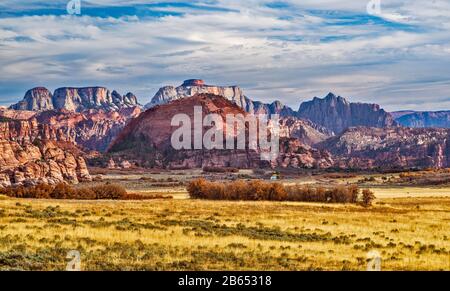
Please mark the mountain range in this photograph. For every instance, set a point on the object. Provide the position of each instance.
(333, 112)
(423, 119)
(75, 99)
(47, 136)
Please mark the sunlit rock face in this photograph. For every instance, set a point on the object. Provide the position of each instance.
(337, 114)
(75, 99)
(80, 99)
(32, 153)
(235, 94)
(146, 140)
(192, 87)
(390, 148)
(90, 117)
(36, 99)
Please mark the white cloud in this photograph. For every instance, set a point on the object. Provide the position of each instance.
(291, 54)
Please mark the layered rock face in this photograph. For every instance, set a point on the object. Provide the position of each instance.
(425, 119)
(95, 118)
(16, 114)
(36, 99)
(32, 154)
(30, 130)
(146, 140)
(295, 154)
(390, 148)
(337, 114)
(90, 117)
(276, 107)
(44, 163)
(192, 87)
(75, 99)
(80, 99)
(305, 131)
(90, 129)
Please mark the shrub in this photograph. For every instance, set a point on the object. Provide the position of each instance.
(85, 194)
(109, 191)
(367, 197)
(197, 188)
(259, 190)
(64, 191)
(277, 192)
(220, 170)
(40, 192)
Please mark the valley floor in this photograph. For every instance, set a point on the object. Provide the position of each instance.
(184, 234)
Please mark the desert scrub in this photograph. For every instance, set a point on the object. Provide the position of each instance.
(259, 190)
(289, 236)
(201, 228)
(105, 191)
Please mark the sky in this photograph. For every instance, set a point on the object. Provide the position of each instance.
(397, 56)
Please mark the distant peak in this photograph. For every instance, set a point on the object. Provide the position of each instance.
(330, 96)
(277, 103)
(194, 82)
(38, 89)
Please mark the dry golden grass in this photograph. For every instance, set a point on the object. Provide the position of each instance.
(409, 233)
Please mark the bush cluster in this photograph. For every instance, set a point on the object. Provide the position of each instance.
(220, 170)
(259, 190)
(64, 191)
(237, 190)
(337, 194)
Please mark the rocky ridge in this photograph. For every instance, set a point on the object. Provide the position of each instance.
(425, 119)
(390, 148)
(147, 139)
(32, 153)
(332, 112)
(235, 94)
(337, 114)
(90, 117)
(90, 129)
(75, 99)
(36, 99)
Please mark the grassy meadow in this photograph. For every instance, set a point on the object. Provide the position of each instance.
(409, 232)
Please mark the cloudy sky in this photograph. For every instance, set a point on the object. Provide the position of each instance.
(285, 50)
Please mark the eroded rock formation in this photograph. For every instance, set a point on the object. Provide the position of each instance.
(90, 117)
(32, 153)
(36, 99)
(75, 99)
(388, 148)
(192, 87)
(337, 114)
(439, 119)
(147, 139)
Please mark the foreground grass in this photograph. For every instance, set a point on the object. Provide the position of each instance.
(409, 233)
